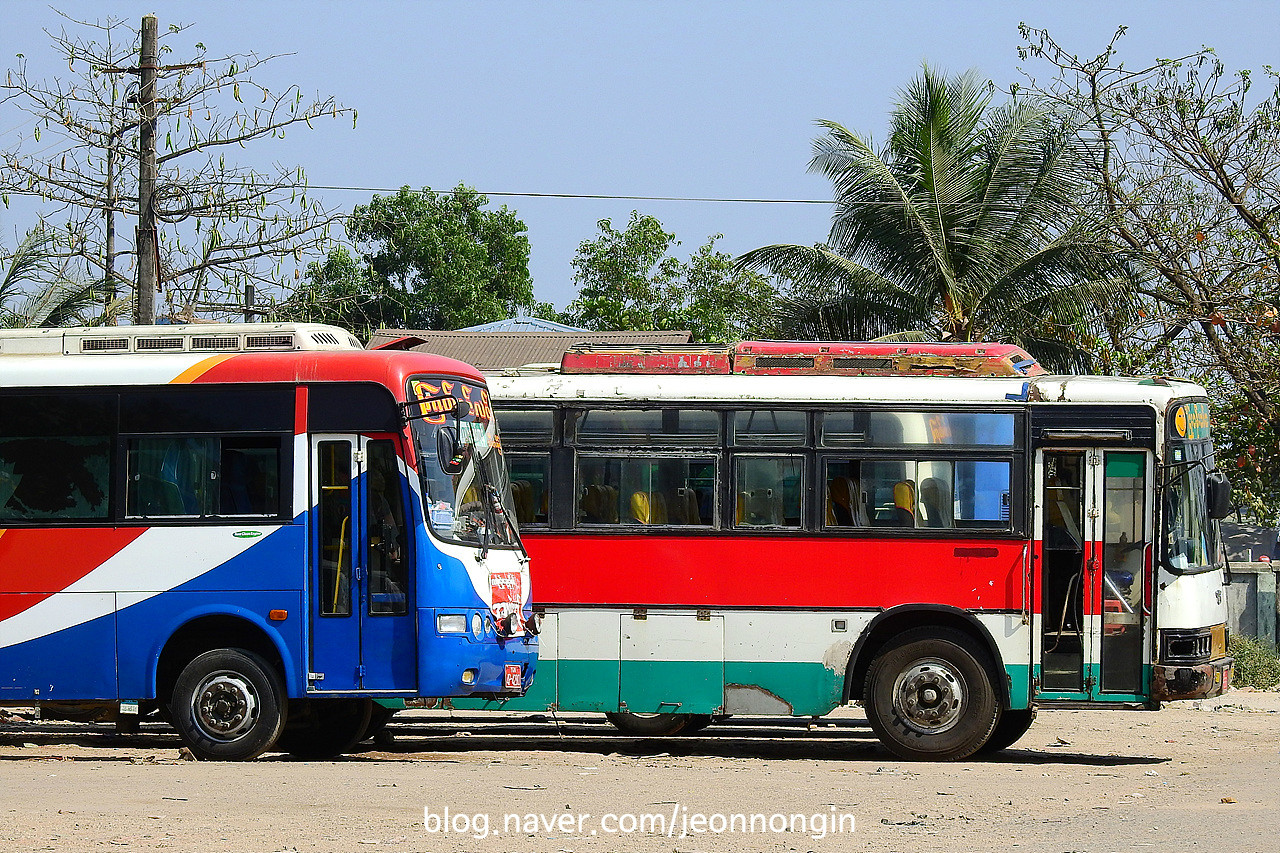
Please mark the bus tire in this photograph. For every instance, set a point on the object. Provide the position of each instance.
(698, 722)
(1012, 726)
(379, 716)
(930, 695)
(228, 705)
(648, 725)
(326, 728)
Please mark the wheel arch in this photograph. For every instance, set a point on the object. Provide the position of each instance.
(218, 629)
(889, 623)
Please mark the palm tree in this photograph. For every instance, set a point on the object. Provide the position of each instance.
(968, 225)
(38, 291)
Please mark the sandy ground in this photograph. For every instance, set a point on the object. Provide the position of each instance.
(1192, 777)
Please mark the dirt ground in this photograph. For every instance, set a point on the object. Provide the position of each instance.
(1192, 777)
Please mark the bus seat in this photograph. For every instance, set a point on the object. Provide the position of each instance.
(675, 507)
(609, 504)
(688, 498)
(522, 497)
(765, 506)
(595, 504)
(935, 502)
(845, 502)
(740, 508)
(904, 503)
(158, 497)
(648, 507)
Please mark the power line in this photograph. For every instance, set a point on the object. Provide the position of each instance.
(600, 196)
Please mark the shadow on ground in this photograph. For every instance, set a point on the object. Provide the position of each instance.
(429, 737)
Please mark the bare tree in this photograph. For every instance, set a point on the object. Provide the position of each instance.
(227, 227)
(1186, 164)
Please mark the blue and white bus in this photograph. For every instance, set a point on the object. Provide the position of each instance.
(252, 530)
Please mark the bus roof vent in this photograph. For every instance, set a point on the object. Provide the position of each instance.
(104, 344)
(268, 342)
(216, 342)
(196, 337)
(147, 342)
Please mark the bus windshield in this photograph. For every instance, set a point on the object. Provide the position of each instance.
(1190, 535)
(474, 506)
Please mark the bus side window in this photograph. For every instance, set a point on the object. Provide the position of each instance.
(767, 491)
(646, 491)
(56, 457)
(171, 477)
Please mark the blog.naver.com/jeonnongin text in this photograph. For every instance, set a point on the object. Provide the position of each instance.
(674, 822)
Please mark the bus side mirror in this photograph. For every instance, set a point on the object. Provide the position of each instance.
(451, 459)
(1218, 493)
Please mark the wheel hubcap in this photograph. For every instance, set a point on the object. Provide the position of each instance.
(225, 706)
(929, 696)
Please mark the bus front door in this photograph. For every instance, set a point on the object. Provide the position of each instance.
(363, 636)
(1094, 527)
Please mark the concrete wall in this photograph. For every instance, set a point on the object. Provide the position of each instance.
(1251, 600)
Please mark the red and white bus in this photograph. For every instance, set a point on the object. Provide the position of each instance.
(255, 530)
(943, 533)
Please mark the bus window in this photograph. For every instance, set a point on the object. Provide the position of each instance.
(767, 491)
(530, 486)
(334, 509)
(388, 546)
(898, 429)
(770, 428)
(188, 476)
(920, 494)
(55, 457)
(534, 427)
(171, 476)
(648, 427)
(646, 491)
(250, 476)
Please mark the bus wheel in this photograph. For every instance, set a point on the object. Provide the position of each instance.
(698, 722)
(228, 705)
(648, 725)
(929, 695)
(326, 728)
(1012, 726)
(379, 716)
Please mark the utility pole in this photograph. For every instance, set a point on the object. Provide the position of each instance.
(148, 250)
(147, 241)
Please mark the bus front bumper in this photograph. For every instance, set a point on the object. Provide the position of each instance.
(1186, 681)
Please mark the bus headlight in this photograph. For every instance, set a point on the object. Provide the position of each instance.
(451, 623)
(477, 625)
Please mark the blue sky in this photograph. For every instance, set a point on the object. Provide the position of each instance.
(625, 98)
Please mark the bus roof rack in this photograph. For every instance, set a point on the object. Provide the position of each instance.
(193, 338)
(801, 358)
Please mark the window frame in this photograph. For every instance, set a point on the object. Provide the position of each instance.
(711, 455)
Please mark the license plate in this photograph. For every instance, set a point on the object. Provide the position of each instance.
(512, 680)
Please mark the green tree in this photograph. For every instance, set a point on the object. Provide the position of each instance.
(422, 260)
(965, 226)
(629, 280)
(38, 289)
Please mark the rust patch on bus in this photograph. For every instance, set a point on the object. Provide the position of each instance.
(836, 657)
(754, 699)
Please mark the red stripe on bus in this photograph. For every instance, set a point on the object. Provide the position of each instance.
(42, 562)
(752, 571)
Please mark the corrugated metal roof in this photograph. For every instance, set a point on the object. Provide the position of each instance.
(500, 350)
(523, 324)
